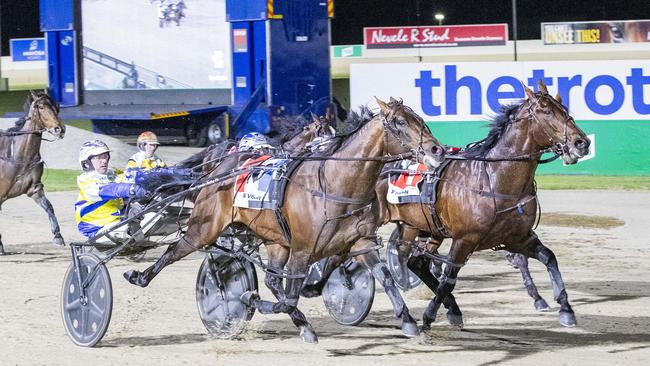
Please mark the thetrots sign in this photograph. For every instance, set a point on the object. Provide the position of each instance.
(436, 36)
(596, 90)
(609, 99)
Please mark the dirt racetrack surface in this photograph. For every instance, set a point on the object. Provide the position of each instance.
(606, 273)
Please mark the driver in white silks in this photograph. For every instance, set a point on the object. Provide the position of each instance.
(252, 142)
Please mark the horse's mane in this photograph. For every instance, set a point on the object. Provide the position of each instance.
(287, 128)
(497, 127)
(346, 129)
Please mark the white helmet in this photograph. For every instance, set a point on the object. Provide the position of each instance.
(89, 149)
(252, 141)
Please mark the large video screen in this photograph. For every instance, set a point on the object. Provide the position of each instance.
(155, 44)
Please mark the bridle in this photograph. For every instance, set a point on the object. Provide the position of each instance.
(558, 149)
(390, 125)
(32, 114)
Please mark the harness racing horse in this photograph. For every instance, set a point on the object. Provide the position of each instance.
(486, 199)
(327, 210)
(295, 137)
(21, 166)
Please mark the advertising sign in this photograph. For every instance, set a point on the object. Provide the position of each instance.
(27, 49)
(347, 51)
(597, 90)
(596, 32)
(436, 36)
(610, 100)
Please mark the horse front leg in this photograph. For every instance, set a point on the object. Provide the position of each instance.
(447, 281)
(298, 265)
(520, 261)
(547, 257)
(421, 266)
(287, 298)
(2, 248)
(316, 289)
(39, 197)
(381, 273)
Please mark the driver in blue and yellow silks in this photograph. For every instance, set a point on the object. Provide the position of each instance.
(101, 190)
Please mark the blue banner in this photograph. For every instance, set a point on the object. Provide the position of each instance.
(27, 49)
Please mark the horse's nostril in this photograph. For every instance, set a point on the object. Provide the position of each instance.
(580, 143)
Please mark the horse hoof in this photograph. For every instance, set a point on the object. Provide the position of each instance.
(311, 291)
(541, 305)
(455, 320)
(410, 329)
(133, 277)
(568, 319)
(308, 335)
(426, 322)
(249, 297)
(58, 241)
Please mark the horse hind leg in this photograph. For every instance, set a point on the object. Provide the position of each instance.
(2, 248)
(381, 273)
(196, 233)
(520, 261)
(547, 257)
(39, 197)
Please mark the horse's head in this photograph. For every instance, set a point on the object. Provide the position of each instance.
(552, 127)
(321, 126)
(40, 108)
(407, 132)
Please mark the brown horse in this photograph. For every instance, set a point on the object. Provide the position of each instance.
(487, 199)
(21, 166)
(295, 134)
(327, 210)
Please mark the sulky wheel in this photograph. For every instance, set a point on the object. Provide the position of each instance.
(349, 292)
(86, 316)
(220, 283)
(404, 278)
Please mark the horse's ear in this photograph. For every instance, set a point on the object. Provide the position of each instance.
(33, 95)
(383, 106)
(541, 86)
(529, 93)
(392, 100)
(558, 97)
(329, 114)
(314, 118)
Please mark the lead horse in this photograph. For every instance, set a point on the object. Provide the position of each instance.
(21, 166)
(486, 199)
(327, 210)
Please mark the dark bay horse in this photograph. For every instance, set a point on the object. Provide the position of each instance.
(295, 134)
(327, 209)
(487, 199)
(21, 166)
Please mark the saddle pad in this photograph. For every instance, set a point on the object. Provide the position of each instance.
(255, 189)
(405, 187)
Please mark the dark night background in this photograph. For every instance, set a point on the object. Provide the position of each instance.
(19, 18)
